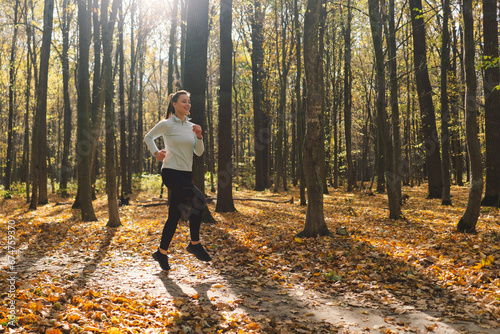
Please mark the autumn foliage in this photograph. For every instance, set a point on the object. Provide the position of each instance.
(78, 277)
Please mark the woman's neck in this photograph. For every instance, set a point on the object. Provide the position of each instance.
(180, 116)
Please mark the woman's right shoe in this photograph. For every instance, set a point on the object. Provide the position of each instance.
(162, 260)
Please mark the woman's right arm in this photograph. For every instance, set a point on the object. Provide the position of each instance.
(159, 129)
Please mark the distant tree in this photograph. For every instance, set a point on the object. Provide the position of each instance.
(171, 48)
(351, 178)
(12, 83)
(467, 223)
(225, 201)
(313, 146)
(424, 91)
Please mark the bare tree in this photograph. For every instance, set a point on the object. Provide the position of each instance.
(467, 223)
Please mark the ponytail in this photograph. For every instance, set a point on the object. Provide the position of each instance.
(173, 98)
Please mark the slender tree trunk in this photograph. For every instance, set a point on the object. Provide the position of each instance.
(84, 131)
(171, 48)
(65, 165)
(121, 97)
(39, 137)
(12, 83)
(467, 223)
(491, 104)
(106, 95)
(390, 174)
(457, 157)
(26, 146)
(393, 74)
(313, 147)
(424, 90)
(131, 101)
(445, 112)
(298, 97)
(348, 100)
(225, 201)
(96, 115)
(261, 131)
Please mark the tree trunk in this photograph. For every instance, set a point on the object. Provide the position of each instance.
(12, 82)
(225, 165)
(396, 137)
(26, 145)
(39, 137)
(121, 97)
(171, 48)
(261, 130)
(392, 178)
(298, 97)
(424, 91)
(313, 146)
(131, 101)
(491, 104)
(107, 94)
(65, 165)
(348, 100)
(195, 74)
(445, 112)
(467, 223)
(84, 131)
(457, 157)
(96, 114)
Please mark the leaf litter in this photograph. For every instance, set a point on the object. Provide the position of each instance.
(373, 275)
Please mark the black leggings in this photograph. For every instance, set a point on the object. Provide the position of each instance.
(185, 200)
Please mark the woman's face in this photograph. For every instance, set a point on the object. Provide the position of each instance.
(183, 105)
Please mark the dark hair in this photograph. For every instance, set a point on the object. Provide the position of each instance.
(173, 98)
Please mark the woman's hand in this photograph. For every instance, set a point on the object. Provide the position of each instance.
(197, 130)
(160, 155)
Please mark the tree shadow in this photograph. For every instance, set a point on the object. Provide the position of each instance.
(396, 289)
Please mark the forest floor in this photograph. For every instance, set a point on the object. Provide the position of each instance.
(415, 275)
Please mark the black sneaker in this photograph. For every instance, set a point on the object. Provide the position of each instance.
(198, 251)
(162, 259)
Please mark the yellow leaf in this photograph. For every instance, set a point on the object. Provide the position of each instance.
(53, 331)
(114, 330)
(299, 240)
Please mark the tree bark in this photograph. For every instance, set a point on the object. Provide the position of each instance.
(298, 97)
(467, 223)
(313, 146)
(348, 100)
(261, 131)
(39, 137)
(445, 112)
(84, 131)
(393, 82)
(424, 91)
(12, 83)
(491, 104)
(121, 97)
(391, 176)
(171, 48)
(65, 165)
(107, 95)
(225, 201)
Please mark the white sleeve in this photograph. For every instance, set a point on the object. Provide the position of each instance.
(199, 147)
(157, 131)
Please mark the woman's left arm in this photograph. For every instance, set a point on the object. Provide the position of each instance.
(198, 145)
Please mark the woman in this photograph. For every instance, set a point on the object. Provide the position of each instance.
(181, 139)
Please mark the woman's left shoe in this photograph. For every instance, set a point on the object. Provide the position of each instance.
(199, 252)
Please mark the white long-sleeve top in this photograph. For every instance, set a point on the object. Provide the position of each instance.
(180, 143)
